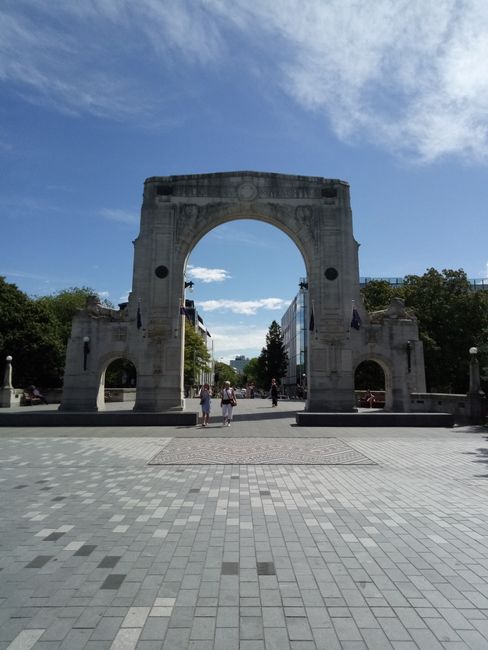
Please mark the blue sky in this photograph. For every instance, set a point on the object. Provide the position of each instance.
(96, 96)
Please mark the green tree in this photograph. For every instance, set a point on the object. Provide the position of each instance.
(224, 372)
(273, 360)
(64, 304)
(377, 294)
(35, 332)
(452, 318)
(197, 357)
(252, 373)
(29, 333)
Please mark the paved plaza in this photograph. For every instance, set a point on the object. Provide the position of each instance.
(224, 539)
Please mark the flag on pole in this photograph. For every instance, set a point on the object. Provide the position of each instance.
(356, 319)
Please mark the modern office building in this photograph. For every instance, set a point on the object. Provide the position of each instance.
(197, 321)
(295, 338)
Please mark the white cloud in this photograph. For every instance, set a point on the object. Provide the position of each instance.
(238, 339)
(205, 275)
(245, 307)
(410, 77)
(121, 216)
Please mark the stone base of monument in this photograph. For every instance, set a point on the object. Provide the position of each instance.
(374, 419)
(49, 418)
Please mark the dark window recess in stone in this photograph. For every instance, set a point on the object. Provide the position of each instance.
(264, 493)
(331, 273)
(113, 581)
(230, 568)
(109, 561)
(85, 550)
(164, 190)
(39, 561)
(329, 192)
(52, 537)
(161, 271)
(194, 491)
(266, 568)
(234, 477)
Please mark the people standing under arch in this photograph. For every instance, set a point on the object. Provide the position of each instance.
(227, 402)
(274, 393)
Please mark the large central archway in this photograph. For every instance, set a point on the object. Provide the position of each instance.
(177, 212)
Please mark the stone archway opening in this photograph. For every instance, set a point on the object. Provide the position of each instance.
(370, 375)
(245, 274)
(119, 381)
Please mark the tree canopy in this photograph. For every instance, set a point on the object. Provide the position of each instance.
(224, 372)
(273, 360)
(197, 357)
(452, 318)
(35, 332)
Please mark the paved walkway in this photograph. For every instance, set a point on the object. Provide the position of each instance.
(100, 549)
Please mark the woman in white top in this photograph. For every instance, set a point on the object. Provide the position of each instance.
(227, 402)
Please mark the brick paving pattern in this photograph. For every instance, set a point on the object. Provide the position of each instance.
(258, 451)
(101, 550)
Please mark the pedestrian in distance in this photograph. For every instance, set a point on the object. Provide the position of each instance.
(274, 393)
(205, 403)
(227, 402)
(35, 393)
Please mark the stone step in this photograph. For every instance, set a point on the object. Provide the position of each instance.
(374, 419)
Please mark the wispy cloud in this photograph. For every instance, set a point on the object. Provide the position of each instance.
(207, 275)
(245, 307)
(410, 77)
(122, 216)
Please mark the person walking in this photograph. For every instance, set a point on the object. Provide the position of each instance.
(227, 402)
(205, 403)
(274, 393)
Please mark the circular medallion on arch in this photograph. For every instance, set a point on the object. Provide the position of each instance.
(161, 271)
(331, 273)
(247, 191)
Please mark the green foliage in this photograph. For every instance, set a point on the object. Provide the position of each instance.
(35, 331)
(273, 360)
(197, 357)
(377, 294)
(451, 318)
(252, 373)
(224, 372)
(64, 304)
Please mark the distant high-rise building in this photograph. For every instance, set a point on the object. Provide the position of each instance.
(239, 363)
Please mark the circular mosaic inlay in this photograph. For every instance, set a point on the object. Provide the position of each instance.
(247, 191)
(331, 273)
(161, 271)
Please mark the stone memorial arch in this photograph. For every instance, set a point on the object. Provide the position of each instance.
(177, 211)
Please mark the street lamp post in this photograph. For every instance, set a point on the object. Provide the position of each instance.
(476, 397)
(7, 390)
